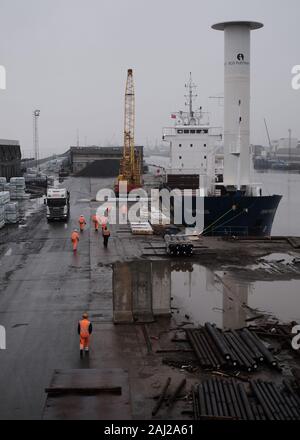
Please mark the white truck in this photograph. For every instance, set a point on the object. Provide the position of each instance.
(58, 204)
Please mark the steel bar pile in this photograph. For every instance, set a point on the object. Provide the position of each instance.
(273, 330)
(278, 403)
(229, 350)
(227, 399)
(178, 246)
(221, 399)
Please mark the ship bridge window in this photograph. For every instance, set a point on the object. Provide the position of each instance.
(180, 145)
(186, 131)
(205, 145)
(179, 131)
(180, 157)
(204, 131)
(193, 131)
(191, 145)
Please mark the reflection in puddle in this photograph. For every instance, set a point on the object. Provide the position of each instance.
(28, 208)
(195, 294)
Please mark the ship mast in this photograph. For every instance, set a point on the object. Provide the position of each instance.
(190, 86)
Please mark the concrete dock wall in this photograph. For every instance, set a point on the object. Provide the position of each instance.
(141, 291)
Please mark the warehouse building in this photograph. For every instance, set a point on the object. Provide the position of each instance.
(98, 161)
(10, 158)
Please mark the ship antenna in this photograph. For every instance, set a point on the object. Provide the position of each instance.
(190, 86)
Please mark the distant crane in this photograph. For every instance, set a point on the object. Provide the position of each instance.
(268, 134)
(130, 163)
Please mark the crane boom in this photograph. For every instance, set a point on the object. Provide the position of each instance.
(129, 167)
(129, 118)
(268, 134)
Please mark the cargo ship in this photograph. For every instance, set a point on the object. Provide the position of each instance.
(232, 204)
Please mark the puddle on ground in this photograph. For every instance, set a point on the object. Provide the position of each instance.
(195, 294)
(29, 207)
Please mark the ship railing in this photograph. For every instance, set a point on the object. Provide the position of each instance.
(185, 171)
(169, 131)
(230, 231)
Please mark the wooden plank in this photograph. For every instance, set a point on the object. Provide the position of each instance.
(83, 390)
(88, 404)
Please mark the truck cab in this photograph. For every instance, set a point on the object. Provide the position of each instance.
(58, 204)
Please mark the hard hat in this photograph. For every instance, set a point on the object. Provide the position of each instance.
(85, 316)
(75, 230)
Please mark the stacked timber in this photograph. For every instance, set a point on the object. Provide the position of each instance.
(227, 399)
(234, 349)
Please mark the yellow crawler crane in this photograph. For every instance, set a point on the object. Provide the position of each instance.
(130, 163)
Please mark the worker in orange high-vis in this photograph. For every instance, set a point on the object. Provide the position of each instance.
(96, 222)
(75, 239)
(108, 211)
(104, 221)
(106, 235)
(82, 223)
(85, 329)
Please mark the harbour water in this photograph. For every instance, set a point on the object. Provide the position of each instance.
(287, 184)
(232, 300)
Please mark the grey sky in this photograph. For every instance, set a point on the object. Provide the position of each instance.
(69, 58)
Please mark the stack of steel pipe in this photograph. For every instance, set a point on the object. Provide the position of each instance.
(277, 403)
(178, 246)
(227, 399)
(227, 350)
(221, 399)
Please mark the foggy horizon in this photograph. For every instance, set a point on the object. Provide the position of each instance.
(70, 59)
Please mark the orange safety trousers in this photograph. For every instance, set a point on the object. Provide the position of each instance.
(84, 334)
(75, 240)
(96, 223)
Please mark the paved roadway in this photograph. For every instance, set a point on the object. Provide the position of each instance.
(44, 289)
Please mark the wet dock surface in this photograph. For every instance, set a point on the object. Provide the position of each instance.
(44, 289)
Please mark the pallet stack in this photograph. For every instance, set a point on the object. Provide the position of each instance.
(11, 213)
(233, 349)
(4, 200)
(141, 228)
(3, 182)
(17, 188)
(227, 399)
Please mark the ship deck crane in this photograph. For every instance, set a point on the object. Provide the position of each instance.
(130, 167)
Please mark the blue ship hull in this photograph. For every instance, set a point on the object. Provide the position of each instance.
(235, 214)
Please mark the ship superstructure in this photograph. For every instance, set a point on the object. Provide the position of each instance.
(193, 144)
(233, 205)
